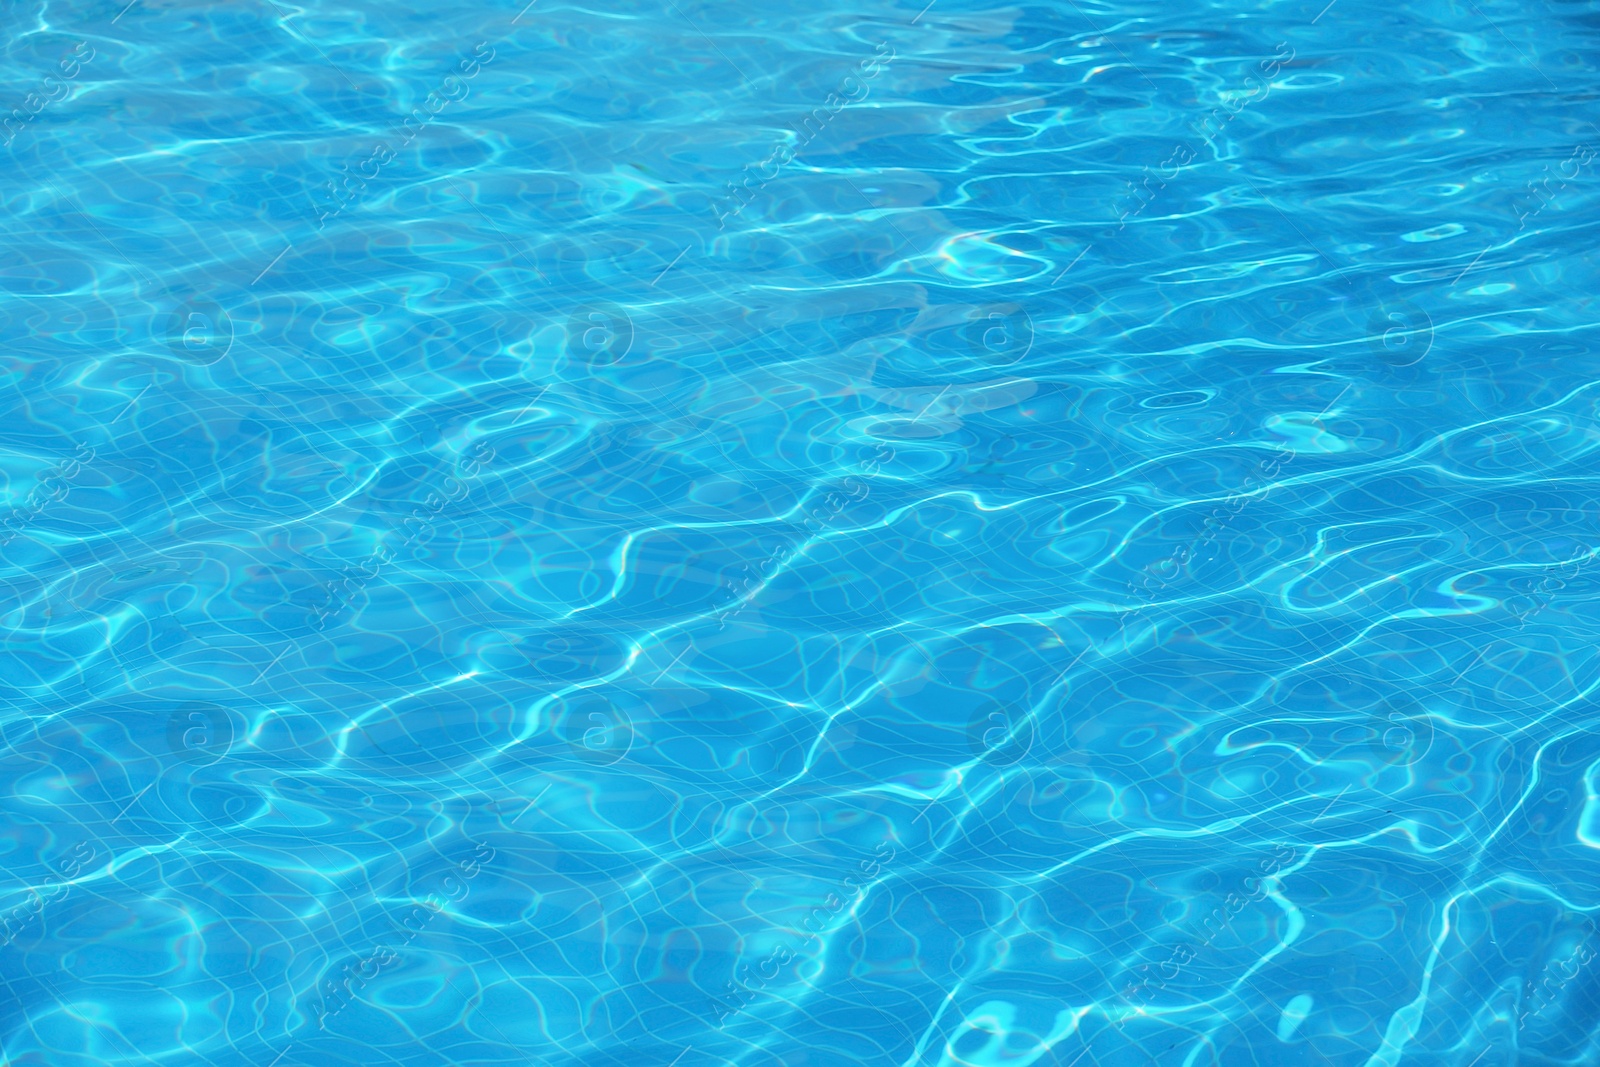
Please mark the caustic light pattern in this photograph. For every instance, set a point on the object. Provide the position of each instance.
(924, 534)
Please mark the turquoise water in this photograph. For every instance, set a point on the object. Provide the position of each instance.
(800, 536)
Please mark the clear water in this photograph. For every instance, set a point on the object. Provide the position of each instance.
(1083, 554)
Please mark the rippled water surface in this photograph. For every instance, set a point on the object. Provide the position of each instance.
(771, 535)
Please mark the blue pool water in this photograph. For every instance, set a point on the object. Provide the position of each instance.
(800, 535)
